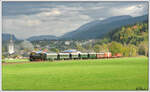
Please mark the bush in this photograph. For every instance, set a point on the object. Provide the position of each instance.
(3, 57)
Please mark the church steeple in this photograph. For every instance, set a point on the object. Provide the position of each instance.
(11, 45)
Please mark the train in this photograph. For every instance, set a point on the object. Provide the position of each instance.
(43, 56)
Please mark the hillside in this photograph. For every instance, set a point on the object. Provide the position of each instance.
(130, 40)
(6, 37)
(131, 34)
(97, 29)
(42, 37)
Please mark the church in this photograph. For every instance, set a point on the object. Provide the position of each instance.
(11, 46)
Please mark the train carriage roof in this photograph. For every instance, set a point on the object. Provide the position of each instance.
(38, 52)
(71, 51)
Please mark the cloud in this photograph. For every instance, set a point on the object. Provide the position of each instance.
(101, 18)
(53, 12)
(32, 19)
(97, 8)
(133, 10)
(56, 21)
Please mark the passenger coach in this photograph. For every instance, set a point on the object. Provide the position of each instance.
(42, 56)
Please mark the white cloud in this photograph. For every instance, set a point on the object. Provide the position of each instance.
(56, 21)
(53, 12)
(33, 22)
(101, 18)
(97, 8)
(133, 10)
(67, 8)
(85, 17)
(130, 8)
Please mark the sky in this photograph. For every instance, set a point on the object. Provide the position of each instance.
(26, 19)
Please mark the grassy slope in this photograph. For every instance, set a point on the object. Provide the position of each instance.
(112, 74)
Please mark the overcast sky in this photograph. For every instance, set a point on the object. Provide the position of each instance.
(26, 19)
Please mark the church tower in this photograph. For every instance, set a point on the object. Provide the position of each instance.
(11, 46)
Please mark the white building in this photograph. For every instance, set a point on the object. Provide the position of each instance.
(67, 43)
(11, 46)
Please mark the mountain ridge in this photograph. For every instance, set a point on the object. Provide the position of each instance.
(100, 28)
(42, 37)
(93, 30)
(6, 37)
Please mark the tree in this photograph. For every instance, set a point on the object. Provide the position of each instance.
(143, 48)
(130, 34)
(89, 47)
(115, 47)
(132, 50)
(97, 48)
(3, 57)
(125, 50)
(55, 50)
(104, 48)
(3, 49)
(105, 40)
(79, 47)
(26, 46)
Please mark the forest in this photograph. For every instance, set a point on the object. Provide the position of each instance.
(130, 40)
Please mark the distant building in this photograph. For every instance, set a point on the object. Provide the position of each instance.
(67, 43)
(11, 46)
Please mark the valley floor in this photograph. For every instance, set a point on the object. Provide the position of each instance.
(98, 74)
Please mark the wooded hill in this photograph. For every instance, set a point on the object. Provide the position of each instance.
(98, 28)
(130, 40)
(131, 34)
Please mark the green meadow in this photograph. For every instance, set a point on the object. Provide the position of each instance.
(15, 60)
(93, 74)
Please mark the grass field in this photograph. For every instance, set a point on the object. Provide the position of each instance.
(100, 74)
(15, 60)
